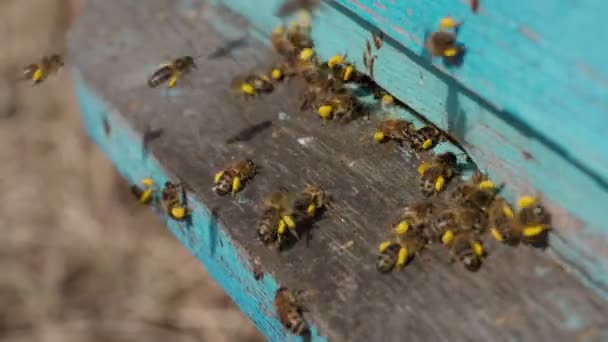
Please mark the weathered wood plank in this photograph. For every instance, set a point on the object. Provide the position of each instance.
(520, 293)
(528, 157)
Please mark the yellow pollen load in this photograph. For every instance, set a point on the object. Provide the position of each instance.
(383, 246)
(427, 144)
(526, 201)
(178, 212)
(489, 185)
(276, 74)
(348, 72)
(325, 111)
(279, 29)
(379, 136)
(477, 248)
(439, 183)
(508, 211)
(145, 196)
(173, 81)
(289, 221)
(423, 167)
(306, 54)
(236, 184)
(447, 23)
(403, 256)
(450, 52)
(281, 228)
(531, 231)
(248, 89)
(218, 176)
(335, 60)
(147, 182)
(388, 99)
(311, 210)
(37, 75)
(402, 228)
(496, 234)
(447, 237)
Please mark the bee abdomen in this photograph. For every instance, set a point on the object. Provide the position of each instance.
(297, 325)
(224, 185)
(160, 76)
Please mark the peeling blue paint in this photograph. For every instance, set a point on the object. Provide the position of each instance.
(224, 261)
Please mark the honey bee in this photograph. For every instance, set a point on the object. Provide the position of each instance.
(281, 44)
(426, 137)
(399, 251)
(312, 199)
(414, 217)
(342, 106)
(289, 7)
(144, 194)
(173, 201)
(502, 222)
(532, 218)
(171, 72)
(299, 36)
(443, 44)
(290, 308)
(39, 72)
(234, 177)
(258, 271)
(394, 129)
(467, 248)
(434, 174)
(378, 40)
(478, 193)
(276, 219)
(448, 222)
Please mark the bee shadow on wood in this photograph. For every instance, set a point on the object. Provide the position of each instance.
(249, 132)
(149, 136)
(213, 229)
(227, 49)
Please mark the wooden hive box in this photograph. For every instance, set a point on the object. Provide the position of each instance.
(528, 104)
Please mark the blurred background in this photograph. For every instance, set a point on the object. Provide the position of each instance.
(80, 260)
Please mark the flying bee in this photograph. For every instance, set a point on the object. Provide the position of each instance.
(532, 218)
(276, 219)
(426, 137)
(173, 201)
(434, 174)
(234, 177)
(394, 129)
(449, 23)
(171, 72)
(281, 44)
(467, 248)
(502, 222)
(312, 199)
(450, 221)
(290, 309)
(398, 252)
(144, 194)
(289, 7)
(299, 36)
(443, 44)
(39, 72)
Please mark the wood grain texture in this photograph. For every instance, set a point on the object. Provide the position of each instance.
(527, 157)
(519, 294)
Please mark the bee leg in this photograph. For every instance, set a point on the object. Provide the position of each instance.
(236, 185)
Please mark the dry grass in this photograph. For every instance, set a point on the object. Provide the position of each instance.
(80, 261)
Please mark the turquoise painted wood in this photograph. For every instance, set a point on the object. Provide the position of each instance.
(208, 242)
(528, 103)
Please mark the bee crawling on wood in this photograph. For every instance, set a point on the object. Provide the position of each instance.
(252, 85)
(426, 137)
(234, 177)
(171, 72)
(290, 309)
(276, 219)
(466, 247)
(399, 251)
(173, 200)
(443, 44)
(342, 106)
(40, 71)
(477, 193)
(533, 220)
(394, 129)
(452, 220)
(144, 194)
(310, 201)
(434, 174)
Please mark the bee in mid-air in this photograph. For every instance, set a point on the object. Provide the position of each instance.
(276, 219)
(234, 177)
(173, 200)
(434, 174)
(171, 72)
(290, 308)
(466, 247)
(290, 7)
(39, 72)
(312, 199)
(394, 129)
(502, 222)
(399, 251)
(442, 44)
(532, 218)
(144, 194)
